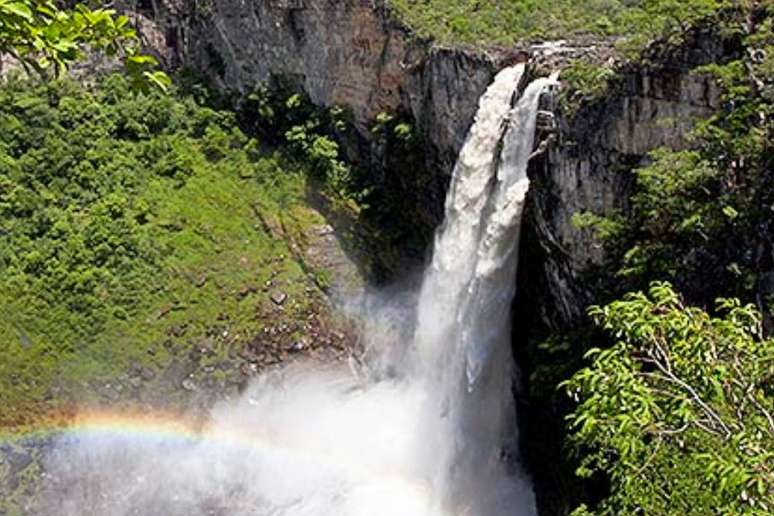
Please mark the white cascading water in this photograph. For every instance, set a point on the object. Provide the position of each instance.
(427, 439)
(463, 320)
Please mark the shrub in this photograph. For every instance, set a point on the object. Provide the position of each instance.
(679, 412)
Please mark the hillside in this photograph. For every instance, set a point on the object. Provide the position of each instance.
(506, 22)
(144, 239)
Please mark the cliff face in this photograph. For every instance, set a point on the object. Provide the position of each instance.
(588, 166)
(351, 53)
(340, 53)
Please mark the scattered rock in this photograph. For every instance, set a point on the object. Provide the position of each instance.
(164, 311)
(108, 392)
(175, 373)
(279, 298)
(177, 330)
(167, 309)
(248, 354)
(189, 385)
(249, 369)
(24, 340)
(325, 230)
(246, 291)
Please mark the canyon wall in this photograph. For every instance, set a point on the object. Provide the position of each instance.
(347, 53)
(353, 54)
(588, 164)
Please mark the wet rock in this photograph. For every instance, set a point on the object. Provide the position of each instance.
(16, 460)
(249, 369)
(109, 392)
(546, 121)
(175, 373)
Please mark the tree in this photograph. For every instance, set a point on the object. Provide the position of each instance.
(679, 412)
(46, 39)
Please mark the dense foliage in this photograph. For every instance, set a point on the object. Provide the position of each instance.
(282, 116)
(46, 38)
(385, 205)
(675, 410)
(122, 216)
(507, 21)
(679, 412)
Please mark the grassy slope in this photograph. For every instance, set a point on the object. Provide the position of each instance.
(509, 21)
(135, 233)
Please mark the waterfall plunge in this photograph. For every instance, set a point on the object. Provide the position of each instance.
(428, 440)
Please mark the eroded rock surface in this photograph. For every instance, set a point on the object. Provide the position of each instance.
(589, 164)
(353, 53)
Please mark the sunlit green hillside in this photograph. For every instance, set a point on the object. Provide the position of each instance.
(141, 241)
(507, 21)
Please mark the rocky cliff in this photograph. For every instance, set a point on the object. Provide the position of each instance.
(593, 150)
(354, 54)
(349, 53)
(588, 166)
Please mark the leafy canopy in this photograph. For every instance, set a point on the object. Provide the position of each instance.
(679, 413)
(47, 39)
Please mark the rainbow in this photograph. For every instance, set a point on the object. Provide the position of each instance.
(162, 428)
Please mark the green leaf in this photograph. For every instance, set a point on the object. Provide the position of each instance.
(19, 9)
(159, 79)
(142, 59)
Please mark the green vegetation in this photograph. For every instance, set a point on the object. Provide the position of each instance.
(385, 208)
(509, 21)
(47, 39)
(134, 231)
(679, 412)
(695, 214)
(286, 118)
(675, 408)
(582, 81)
(148, 238)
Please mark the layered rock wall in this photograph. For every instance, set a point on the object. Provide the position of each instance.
(588, 166)
(347, 53)
(352, 53)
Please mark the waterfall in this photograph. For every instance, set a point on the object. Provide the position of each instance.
(426, 439)
(463, 324)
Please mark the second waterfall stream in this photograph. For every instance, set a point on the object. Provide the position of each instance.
(424, 433)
